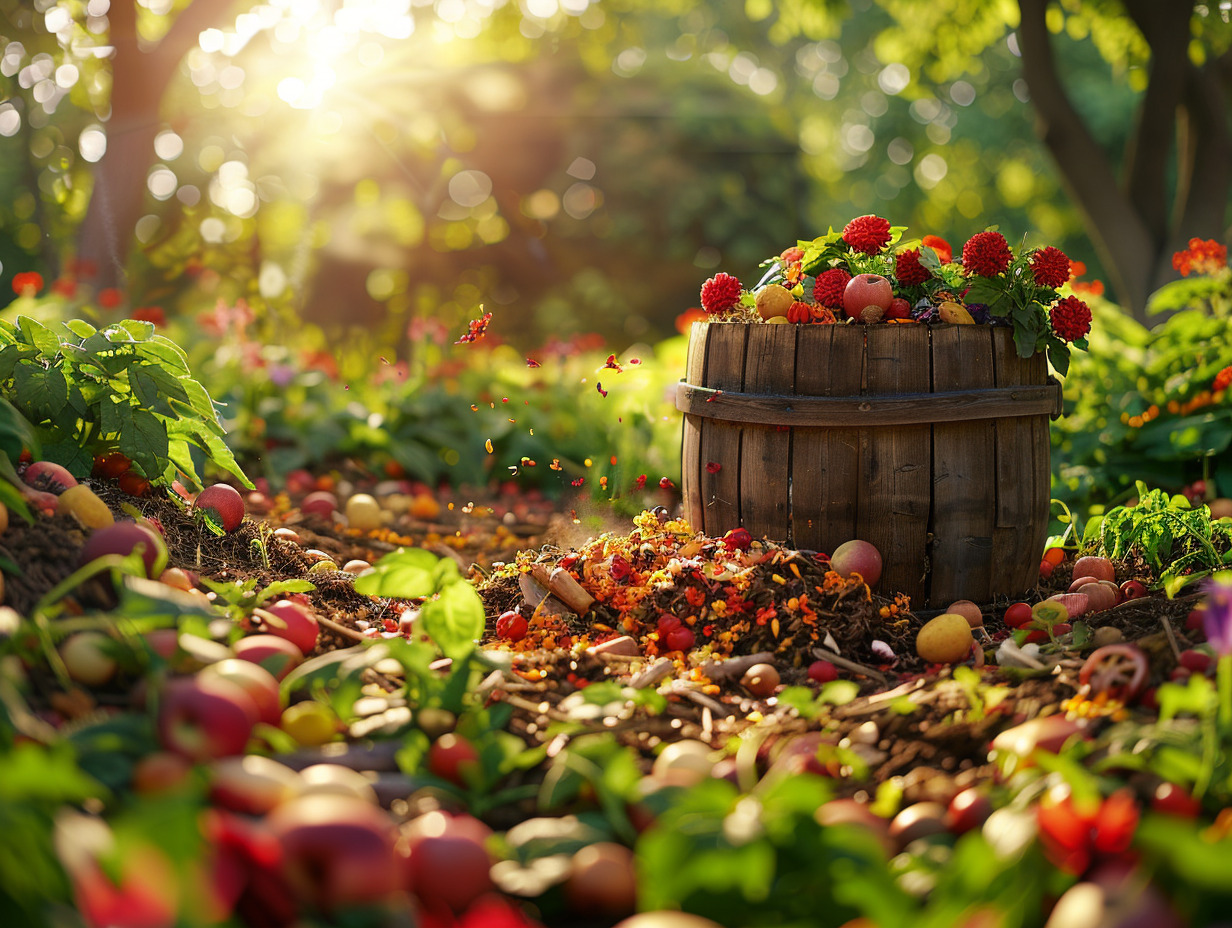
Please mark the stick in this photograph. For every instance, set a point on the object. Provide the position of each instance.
(853, 666)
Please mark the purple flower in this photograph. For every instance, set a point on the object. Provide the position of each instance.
(1218, 613)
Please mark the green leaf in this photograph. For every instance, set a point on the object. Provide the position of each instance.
(16, 432)
(165, 350)
(137, 328)
(144, 440)
(454, 619)
(408, 573)
(39, 336)
(80, 328)
(42, 390)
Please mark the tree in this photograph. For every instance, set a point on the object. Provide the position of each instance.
(1172, 179)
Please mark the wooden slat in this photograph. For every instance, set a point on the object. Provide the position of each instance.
(895, 483)
(691, 435)
(1022, 478)
(720, 441)
(825, 463)
(893, 409)
(769, 366)
(964, 473)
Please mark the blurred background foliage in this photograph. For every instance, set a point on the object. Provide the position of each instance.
(351, 181)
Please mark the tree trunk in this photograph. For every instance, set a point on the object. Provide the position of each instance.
(139, 78)
(1135, 225)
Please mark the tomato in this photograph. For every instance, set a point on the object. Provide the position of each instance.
(1171, 799)
(451, 757)
(112, 465)
(679, 638)
(1054, 556)
(133, 483)
(1017, 615)
(512, 626)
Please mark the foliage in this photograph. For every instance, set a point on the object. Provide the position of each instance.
(1164, 530)
(88, 391)
(1145, 404)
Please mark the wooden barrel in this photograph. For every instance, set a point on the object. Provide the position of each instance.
(930, 442)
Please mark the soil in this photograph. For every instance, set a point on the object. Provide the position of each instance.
(908, 721)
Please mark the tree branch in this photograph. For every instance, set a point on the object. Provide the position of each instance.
(1167, 31)
(1117, 230)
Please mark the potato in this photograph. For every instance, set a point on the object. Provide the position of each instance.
(945, 639)
(85, 505)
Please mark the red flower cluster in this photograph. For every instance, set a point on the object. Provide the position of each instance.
(987, 254)
(1050, 267)
(908, 270)
(868, 234)
(945, 252)
(829, 286)
(1070, 318)
(1203, 256)
(720, 293)
(27, 283)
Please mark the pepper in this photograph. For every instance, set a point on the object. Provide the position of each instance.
(799, 312)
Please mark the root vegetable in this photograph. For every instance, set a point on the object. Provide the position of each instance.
(945, 639)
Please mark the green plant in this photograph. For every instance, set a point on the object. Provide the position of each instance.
(1174, 538)
(88, 390)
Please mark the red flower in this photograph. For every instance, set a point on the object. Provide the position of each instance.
(1070, 318)
(1223, 379)
(1050, 267)
(986, 254)
(1205, 256)
(829, 287)
(65, 287)
(27, 283)
(945, 252)
(720, 293)
(868, 234)
(908, 270)
(738, 539)
(152, 314)
(110, 298)
(686, 319)
(792, 255)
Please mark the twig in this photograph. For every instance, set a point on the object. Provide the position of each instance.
(340, 629)
(735, 667)
(1176, 650)
(706, 702)
(853, 666)
(652, 674)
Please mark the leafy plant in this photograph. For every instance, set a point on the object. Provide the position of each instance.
(87, 390)
(1163, 529)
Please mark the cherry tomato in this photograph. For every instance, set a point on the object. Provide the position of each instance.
(512, 626)
(1054, 556)
(679, 638)
(1171, 799)
(450, 757)
(822, 672)
(133, 483)
(1017, 615)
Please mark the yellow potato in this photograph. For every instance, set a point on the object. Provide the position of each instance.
(777, 320)
(85, 505)
(945, 639)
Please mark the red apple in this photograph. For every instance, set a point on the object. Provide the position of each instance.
(48, 477)
(291, 620)
(1133, 589)
(277, 655)
(899, 309)
(223, 504)
(320, 502)
(967, 810)
(260, 685)
(204, 719)
(867, 290)
(1097, 568)
(123, 538)
(337, 850)
(447, 863)
(252, 784)
(857, 557)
